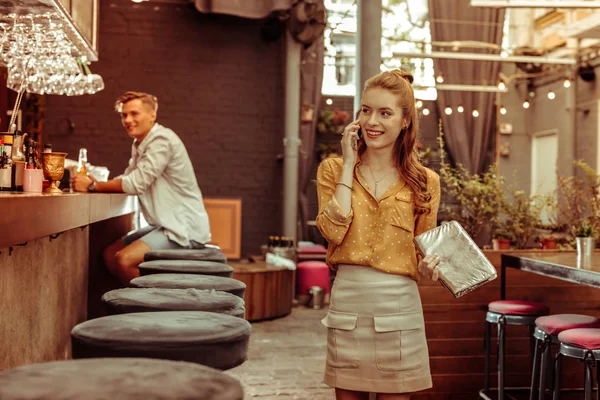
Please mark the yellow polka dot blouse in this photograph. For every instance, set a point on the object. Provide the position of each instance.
(377, 234)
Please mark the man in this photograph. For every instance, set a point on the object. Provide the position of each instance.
(161, 174)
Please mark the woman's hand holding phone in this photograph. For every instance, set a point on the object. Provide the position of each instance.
(350, 138)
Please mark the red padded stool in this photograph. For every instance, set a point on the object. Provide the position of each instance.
(584, 344)
(506, 312)
(309, 274)
(546, 333)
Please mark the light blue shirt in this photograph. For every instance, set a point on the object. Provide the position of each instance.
(161, 174)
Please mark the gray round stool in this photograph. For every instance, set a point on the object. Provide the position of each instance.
(207, 254)
(215, 340)
(122, 378)
(189, 281)
(186, 267)
(132, 300)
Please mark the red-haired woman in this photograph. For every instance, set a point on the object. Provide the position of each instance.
(372, 202)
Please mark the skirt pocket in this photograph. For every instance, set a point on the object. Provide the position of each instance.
(394, 333)
(342, 344)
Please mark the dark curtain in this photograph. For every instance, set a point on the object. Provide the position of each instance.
(311, 81)
(466, 137)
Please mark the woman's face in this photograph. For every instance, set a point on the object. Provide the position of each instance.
(381, 118)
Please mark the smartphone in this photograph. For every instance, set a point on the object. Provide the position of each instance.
(359, 133)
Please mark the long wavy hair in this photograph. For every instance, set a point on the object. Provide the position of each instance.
(405, 152)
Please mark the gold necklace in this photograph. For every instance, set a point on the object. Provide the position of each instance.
(380, 180)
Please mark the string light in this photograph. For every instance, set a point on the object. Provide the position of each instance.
(448, 110)
(531, 94)
(475, 113)
(460, 109)
(329, 102)
(439, 79)
(501, 86)
(567, 83)
(425, 111)
(551, 95)
(503, 110)
(526, 104)
(419, 104)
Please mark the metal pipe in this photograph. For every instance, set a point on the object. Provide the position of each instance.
(536, 3)
(485, 57)
(368, 44)
(291, 142)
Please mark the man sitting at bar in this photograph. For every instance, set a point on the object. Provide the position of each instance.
(161, 174)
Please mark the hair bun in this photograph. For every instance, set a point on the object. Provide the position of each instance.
(403, 74)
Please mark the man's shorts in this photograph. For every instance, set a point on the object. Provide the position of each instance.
(156, 239)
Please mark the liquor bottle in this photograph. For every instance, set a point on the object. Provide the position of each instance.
(5, 170)
(82, 162)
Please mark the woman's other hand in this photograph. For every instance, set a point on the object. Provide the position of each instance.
(428, 267)
(350, 143)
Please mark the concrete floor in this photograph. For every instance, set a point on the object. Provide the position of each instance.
(286, 358)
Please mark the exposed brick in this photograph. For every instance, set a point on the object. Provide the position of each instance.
(220, 88)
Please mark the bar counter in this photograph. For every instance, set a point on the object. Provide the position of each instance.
(51, 270)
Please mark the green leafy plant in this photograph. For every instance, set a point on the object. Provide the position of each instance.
(478, 196)
(519, 216)
(333, 121)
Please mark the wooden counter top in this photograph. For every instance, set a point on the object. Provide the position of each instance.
(27, 216)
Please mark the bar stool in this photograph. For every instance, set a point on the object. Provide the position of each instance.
(118, 378)
(584, 344)
(206, 254)
(131, 300)
(215, 340)
(506, 312)
(546, 333)
(190, 281)
(186, 267)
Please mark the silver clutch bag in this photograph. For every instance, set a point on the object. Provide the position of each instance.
(463, 267)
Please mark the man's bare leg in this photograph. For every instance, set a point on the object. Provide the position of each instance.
(110, 256)
(128, 259)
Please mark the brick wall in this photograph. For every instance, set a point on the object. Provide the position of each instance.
(220, 88)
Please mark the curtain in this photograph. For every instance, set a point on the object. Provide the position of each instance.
(466, 137)
(243, 8)
(311, 81)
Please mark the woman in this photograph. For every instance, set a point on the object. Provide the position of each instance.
(372, 202)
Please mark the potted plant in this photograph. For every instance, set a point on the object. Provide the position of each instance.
(332, 121)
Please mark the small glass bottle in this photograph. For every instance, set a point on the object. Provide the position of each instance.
(82, 162)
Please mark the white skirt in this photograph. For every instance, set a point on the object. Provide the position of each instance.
(376, 338)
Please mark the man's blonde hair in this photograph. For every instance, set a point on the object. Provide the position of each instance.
(146, 98)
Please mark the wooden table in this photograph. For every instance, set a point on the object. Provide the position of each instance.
(269, 289)
(565, 266)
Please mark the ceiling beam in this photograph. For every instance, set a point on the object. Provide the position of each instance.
(463, 88)
(485, 57)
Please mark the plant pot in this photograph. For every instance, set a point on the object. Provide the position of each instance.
(585, 246)
(548, 243)
(501, 244)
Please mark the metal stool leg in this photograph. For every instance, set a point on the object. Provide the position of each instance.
(546, 356)
(535, 372)
(487, 351)
(501, 349)
(597, 380)
(556, 381)
(588, 383)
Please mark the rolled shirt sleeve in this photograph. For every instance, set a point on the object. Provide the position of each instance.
(332, 223)
(149, 166)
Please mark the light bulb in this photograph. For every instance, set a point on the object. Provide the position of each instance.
(503, 110)
(567, 83)
(460, 109)
(525, 104)
(439, 79)
(419, 104)
(501, 86)
(329, 102)
(551, 95)
(448, 110)
(475, 113)
(425, 111)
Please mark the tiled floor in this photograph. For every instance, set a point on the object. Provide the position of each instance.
(286, 358)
